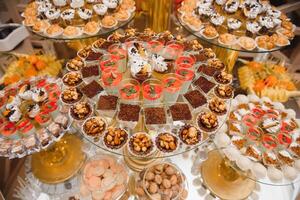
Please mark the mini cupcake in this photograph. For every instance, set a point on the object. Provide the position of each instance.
(60, 3)
(217, 106)
(216, 63)
(111, 4)
(115, 138)
(207, 121)
(141, 144)
(94, 127)
(77, 3)
(109, 22)
(224, 91)
(285, 157)
(238, 141)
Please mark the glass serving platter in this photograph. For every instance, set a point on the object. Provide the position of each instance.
(32, 118)
(133, 94)
(189, 10)
(270, 150)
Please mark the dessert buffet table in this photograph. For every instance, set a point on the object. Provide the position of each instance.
(135, 113)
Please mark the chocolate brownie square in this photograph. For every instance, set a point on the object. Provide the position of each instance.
(90, 71)
(195, 98)
(180, 111)
(155, 115)
(107, 102)
(93, 56)
(92, 89)
(208, 70)
(204, 84)
(129, 112)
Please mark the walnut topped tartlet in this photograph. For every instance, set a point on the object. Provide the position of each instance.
(217, 106)
(190, 135)
(141, 144)
(94, 126)
(115, 138)
(72, 79)
(224, 91)
(207, 121)
(71, 95)
(223, 77)
(166, 142)
(81, 111)
(75, 64)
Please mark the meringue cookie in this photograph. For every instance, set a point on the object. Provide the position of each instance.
(60, 2)
(77, 3)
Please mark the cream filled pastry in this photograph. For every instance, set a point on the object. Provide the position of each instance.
(25, 92)
(217, 19)
(233, 23)
(52, 13)
(231, 6)
(159, 64)
(60, 2)
(67, 14)
(33, 110)
(85, 13)
(39, 94)
(77, 3)
(253, 27)
(100, 9)
(111, 3)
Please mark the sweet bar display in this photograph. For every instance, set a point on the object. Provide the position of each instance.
(240, 25)
(61, 19)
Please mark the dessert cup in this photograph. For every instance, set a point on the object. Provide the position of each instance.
(172, 50)
(121, 55)
(152, 90)
(129, 90)
(111, 79)
(9, 130)
(109, 61)
(186, 76)
(172, 85)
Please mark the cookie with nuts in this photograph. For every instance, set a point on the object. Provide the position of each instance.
(72, 79)
(166, 142)
(115, 138)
